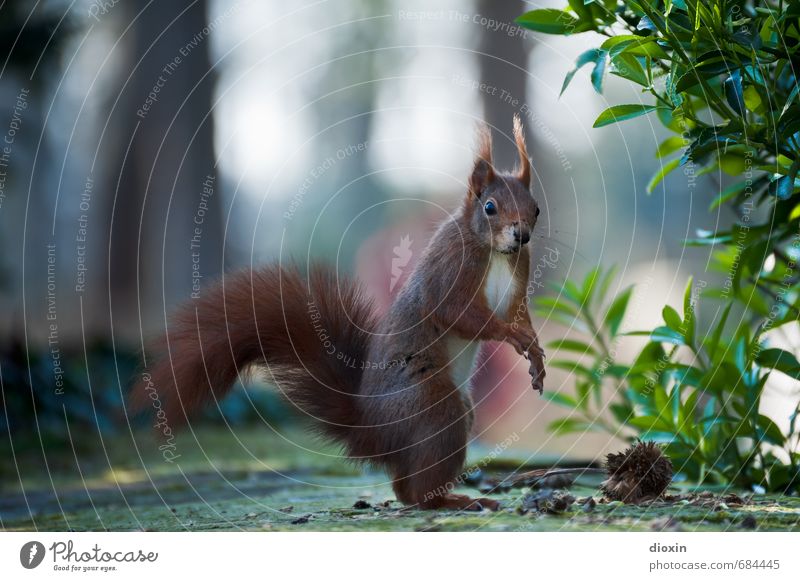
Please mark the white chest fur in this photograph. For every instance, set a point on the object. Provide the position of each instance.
(462, 355)
(499, 285)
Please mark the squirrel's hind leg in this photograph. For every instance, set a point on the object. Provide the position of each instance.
(426, 472)
(437, 498)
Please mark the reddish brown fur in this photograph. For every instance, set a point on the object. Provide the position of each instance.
(265, 316)
(404, 412)
(524, 169)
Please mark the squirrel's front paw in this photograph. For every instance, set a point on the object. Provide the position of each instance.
(536, 370)
(521, 339)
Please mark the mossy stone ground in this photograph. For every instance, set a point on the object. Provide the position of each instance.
(256, 479)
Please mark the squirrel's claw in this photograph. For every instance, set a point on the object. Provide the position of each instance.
(537, 373)
(537, 351)
(526, 344)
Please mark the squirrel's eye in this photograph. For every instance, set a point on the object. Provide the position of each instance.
(537, 212)
(490, 208)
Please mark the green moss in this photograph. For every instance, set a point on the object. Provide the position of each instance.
(258, 480)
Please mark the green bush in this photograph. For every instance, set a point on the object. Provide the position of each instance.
(720, 74)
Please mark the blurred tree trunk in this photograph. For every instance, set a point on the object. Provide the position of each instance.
(503, 63)
(31, 40)
(162, 212)
(355, 102)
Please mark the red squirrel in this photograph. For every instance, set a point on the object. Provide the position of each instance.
(395, 392)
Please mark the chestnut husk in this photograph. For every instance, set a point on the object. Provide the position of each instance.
(642, 472)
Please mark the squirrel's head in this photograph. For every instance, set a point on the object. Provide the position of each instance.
(499, 206)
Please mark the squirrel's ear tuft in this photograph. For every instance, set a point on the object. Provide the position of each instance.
(482, 172)
(524, 169)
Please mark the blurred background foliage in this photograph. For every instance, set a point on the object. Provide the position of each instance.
(721, 76)
(335, 130)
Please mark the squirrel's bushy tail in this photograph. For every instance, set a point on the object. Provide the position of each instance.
(311, 336)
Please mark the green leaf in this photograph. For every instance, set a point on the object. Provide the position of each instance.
(715, 338)
(705, 70)
(633, 45)
(650, 424)
(568, 322)
(585, 58)
(571, 345)
(792, 96)
(770, 432)
(561, 399)
(619, 113)
(618, 39)
(686, 374)
(550, 21)
(672, 318)
(589, 285)
(673, 120)
(644, 47)
(628, 67)
(553, 304)
(667, 335)
(605, 284)
(670, 145)
(582, 389)
(689, 314)
(780, 360)
(752, 259)
(734, 92)
(740, 353)
(573, 367)
(621, 411)
(782, 187)
(733, 164)
(661, 174)
(795, 213)
(579, 8)
(598, 72)
(568, 425)
(689, 407)
(752, 99)
(571, 292)
(734, 190)
(616, 312)
(661, 402)
(617, 371)
(645, 23)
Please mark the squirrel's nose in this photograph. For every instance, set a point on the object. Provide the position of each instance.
(522, 235)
